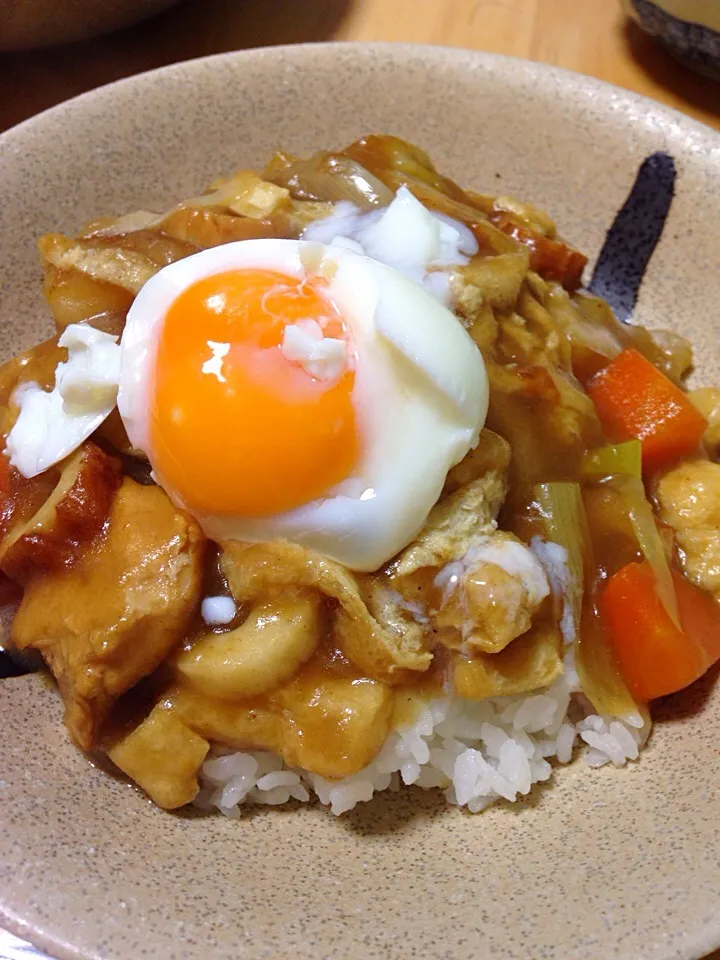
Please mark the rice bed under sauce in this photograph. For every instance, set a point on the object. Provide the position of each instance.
(477, 752)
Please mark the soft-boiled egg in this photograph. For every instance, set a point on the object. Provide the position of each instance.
(288, 389)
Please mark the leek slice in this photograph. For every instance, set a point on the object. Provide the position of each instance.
(650, 541)
(617, 459)
(563, 513)
(621, 463)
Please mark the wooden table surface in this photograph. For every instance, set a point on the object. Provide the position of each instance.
(589, 36)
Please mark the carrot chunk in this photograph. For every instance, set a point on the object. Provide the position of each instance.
(635, 400)
(655, 656)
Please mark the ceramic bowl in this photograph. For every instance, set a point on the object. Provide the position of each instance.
(604, 865)
(690, 29)
(41, 23)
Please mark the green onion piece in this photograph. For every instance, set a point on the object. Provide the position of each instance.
(600, 677)
(617, 459)
(623, 461)
(563, 513)
(650, 541)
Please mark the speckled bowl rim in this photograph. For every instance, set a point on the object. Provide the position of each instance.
(33, 127)
(412, 50)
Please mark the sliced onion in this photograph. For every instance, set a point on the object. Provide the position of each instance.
(334, 177)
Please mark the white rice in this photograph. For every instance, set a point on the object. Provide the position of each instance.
(476, 752)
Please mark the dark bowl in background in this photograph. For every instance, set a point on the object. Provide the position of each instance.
(40, 23)
(690, 29)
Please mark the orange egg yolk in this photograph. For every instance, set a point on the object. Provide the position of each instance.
(237, 428)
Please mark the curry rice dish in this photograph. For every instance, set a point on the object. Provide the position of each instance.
(334, 479)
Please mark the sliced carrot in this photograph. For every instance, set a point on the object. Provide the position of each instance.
(655, 656)
(635, 400)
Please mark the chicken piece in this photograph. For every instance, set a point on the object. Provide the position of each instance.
(115, 615)
(334, 726)
(689, 501)
(328, 719)
(163, 756)
(707, 401)
(67, 521)
(491, 595)
(266, 650)
(478, 588)
(251, 725)
(530, 662)
(474, 491)
(253, 569)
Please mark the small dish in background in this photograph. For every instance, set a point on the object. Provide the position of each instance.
(690, 29)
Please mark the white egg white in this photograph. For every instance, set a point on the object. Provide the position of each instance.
(420, 397)
(53, 423)
(417, 242)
